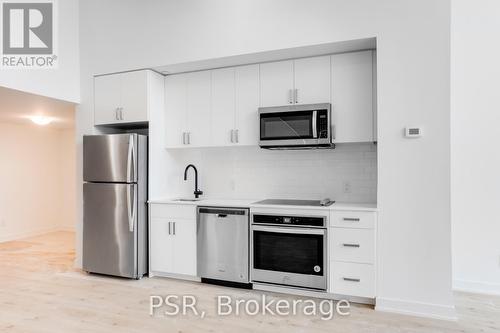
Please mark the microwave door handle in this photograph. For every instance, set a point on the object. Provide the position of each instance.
(315, 124)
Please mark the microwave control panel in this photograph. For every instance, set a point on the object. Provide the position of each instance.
(322, 124)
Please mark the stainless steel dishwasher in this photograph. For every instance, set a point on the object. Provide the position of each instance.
(223, 245)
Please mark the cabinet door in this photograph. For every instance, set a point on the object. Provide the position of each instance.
(312, 80)
(222, 119)
(161, 246)
(198, 108)
(175, 110)
(185, 247)
(107, 94)
(247, 104)
(352, 102)
(134, 96)
(276, 83)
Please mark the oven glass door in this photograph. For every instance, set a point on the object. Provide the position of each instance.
(290, 250)
(297, 125)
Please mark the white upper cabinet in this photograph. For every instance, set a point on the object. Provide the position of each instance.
(223, 106)
(135, 103)
(247, 103)
(198, 108)
(352, 97)
(235, 102)
(123, 97)
(175, 110)
(107, 99)
(312, 80)
(300, 81)
(220, 107)
(276, 83)
(187, 109)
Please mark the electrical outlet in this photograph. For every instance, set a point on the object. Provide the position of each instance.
(347, 187)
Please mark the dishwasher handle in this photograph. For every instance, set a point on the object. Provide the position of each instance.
(223, 212)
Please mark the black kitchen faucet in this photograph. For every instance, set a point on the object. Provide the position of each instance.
(197, 191)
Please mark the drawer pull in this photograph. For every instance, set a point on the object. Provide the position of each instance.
(350, 245)
(351, 279)
(351, 219)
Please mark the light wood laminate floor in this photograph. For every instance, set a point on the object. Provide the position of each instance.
(41, 292)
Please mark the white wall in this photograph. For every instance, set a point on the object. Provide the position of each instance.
(413, 53)
(34, 196)
(67, 178)
(62, 82)
(254, 173)
(475, 151)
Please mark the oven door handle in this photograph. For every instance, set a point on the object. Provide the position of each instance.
(287, 230)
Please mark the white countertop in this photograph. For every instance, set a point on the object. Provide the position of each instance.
(206, 202)
(251, 203)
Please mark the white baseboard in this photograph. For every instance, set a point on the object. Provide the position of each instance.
(32, 233)
(477, 287)
(419, 309)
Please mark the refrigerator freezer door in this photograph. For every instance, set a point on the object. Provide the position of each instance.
(110, 158)
(109, 234)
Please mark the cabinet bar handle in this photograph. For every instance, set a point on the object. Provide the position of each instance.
(290, 96)
(174, 227)
(169, 228)
(351, 219)
(189, 137)
(351, 279)
(350, 245)
(296, 96)
(232, 136)
(237, 132)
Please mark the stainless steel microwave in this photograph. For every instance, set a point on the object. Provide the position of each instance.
(296, 126)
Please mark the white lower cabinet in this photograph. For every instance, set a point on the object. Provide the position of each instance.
(353, 245)
(173, 239)
(352, 249)
(352, 279)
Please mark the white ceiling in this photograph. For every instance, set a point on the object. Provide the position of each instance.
(17, 107)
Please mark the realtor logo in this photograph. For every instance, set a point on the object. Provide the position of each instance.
(28, 34)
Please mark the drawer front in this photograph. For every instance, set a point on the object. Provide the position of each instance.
(352, 279)
(353, 219)
(173, 211)
(352, 245)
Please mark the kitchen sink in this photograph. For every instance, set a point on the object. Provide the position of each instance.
(187, 199)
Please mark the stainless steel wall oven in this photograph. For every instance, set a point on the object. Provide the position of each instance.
(289, 250)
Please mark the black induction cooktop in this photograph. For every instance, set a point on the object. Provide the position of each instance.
(292, 202)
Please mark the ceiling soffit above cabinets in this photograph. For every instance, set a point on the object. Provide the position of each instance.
(268, 56)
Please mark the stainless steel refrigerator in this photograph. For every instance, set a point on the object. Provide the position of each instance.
(114, 204)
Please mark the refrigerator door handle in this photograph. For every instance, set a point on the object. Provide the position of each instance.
(130, 159)
(131, 207)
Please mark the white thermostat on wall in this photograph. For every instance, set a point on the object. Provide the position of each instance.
(413, 132)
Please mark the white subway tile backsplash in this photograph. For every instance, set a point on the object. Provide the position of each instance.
(251, 172)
